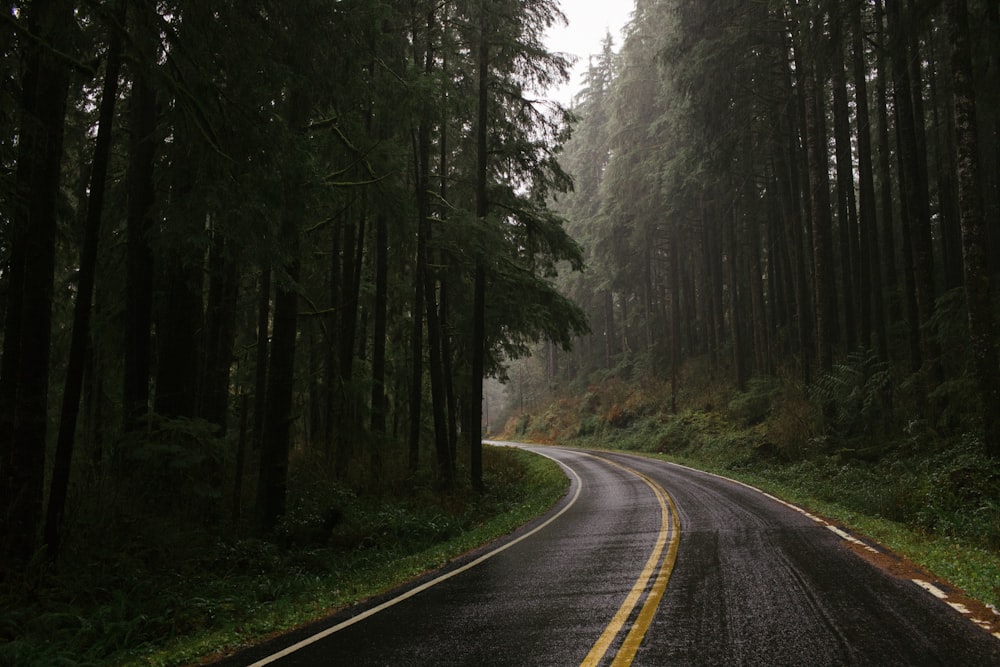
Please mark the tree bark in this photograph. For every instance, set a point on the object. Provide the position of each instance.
(478, 342)
(982, 326)
(276, 442)
(872, 301)
(884, 173)
(847, 216)
(262, 355)
(378, 398)
(735, 298)
(79, 342)
(25, 382)
(819, 197)
(220, 326)
(139, 225)
(913, 184)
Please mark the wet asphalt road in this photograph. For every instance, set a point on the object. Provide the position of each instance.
(755, 582)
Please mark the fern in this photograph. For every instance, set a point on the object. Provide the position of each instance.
(856, 397)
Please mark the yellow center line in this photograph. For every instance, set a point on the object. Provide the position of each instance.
(635, 636)
(631, 644)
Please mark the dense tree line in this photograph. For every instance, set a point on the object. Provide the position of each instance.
(234, 233)
(794, 189)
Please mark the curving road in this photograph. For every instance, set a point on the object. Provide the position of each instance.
(649, 563)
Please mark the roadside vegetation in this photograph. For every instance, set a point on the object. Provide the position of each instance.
(171, 593)
(847, 448)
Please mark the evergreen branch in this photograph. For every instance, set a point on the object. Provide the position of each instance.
(79, 66)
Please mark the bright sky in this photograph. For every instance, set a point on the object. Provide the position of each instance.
(589, 21)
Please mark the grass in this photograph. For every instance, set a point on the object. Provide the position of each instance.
(188, 594)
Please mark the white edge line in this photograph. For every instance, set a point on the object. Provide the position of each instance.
(844, 535)
(931, 588)
(312, 639)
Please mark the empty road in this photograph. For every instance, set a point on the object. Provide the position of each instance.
(649, 563)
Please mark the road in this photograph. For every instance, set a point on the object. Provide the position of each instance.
(648, 563)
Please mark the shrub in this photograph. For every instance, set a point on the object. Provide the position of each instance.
(753, 406)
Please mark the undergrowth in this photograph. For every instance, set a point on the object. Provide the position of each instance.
(170, 593)
(856, 444)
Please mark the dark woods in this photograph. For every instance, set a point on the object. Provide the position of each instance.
(237, 238)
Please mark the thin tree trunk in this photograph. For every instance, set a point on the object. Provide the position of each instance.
(675, 324)
(220, 324)
(610, 335)
(478, 343)
(417, 369)
(139, 255)
(262, 355)
(350, 283)
(735, 312)
(378, 398)
(276, 440)
(758, 304)
(888, 240)
(847, 216)
(819, 196)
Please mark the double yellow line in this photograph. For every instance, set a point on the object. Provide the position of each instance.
(661, 563)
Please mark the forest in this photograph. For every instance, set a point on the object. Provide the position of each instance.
(801, 192)
(257, 258)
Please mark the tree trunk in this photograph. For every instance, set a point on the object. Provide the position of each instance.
(350, 288)
(819, 197)
(80, 340)
(610, 335)
(478, 342)
(735, 312)
(888, 240)
(675, 323)
(417, 369)
(872, 302)
(378, 398)
(24, 394)
(262, 355)
(220, 325)
(139, 225)
(912, 162)
(179, 328)
(982, 327)
(276, 442)
(847, 216)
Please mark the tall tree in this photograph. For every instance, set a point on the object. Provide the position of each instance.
(982, 326)
(277, 435)
(80, 340)
(24, 377)
(143, 141)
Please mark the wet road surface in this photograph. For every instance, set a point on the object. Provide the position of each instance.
(656, 564)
